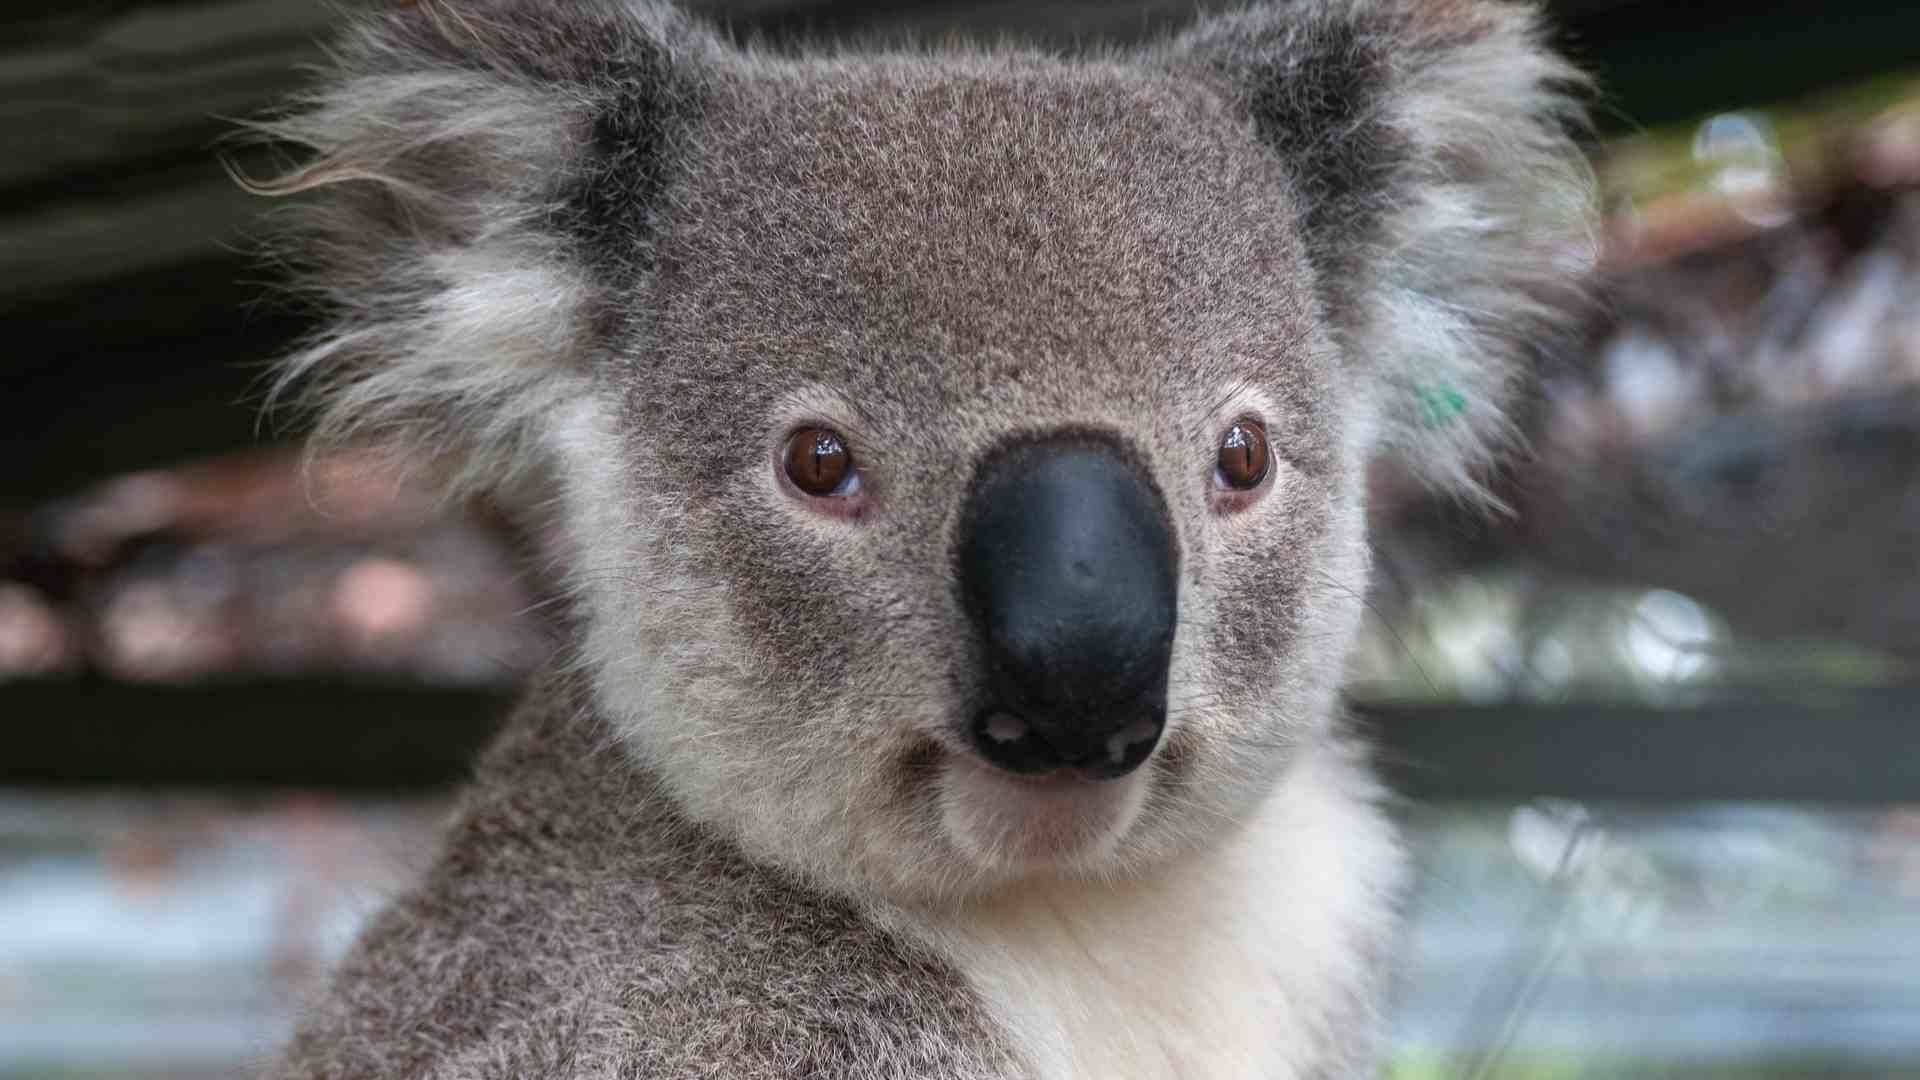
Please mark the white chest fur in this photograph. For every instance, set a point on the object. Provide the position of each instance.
(1232, 963)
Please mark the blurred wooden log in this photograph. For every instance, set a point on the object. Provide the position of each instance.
(255, 735)
(263, 564)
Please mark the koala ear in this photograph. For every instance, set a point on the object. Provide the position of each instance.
(1446, 210)
(481, 174)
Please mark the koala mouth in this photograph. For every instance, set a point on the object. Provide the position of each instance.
(1017, 746)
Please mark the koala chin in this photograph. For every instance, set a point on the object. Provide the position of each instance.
(957, 462)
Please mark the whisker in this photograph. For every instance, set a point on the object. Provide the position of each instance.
(1386, 624)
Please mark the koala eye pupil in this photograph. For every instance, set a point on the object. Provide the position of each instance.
(818, 461)
(1243, 455)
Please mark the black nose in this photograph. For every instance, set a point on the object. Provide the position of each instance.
(1068, 570)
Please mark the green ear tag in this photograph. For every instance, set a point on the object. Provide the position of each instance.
(1439, 405)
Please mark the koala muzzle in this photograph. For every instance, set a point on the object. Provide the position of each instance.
(1069, 571)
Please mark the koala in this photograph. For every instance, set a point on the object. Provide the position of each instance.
(956, 462)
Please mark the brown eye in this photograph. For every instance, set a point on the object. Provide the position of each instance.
(818, 462)
(1243, 455)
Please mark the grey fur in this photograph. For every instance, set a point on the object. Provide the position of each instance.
(575, 926)
(591, 253)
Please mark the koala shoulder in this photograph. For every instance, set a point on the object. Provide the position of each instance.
(574, 926)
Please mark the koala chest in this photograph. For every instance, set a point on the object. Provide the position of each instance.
(1087, 994)
(1250, 960)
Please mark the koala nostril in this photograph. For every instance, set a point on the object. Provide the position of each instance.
(1010, 743)
(1130, 747)
(1121, 743)
(1005, 728)
(1015, 745)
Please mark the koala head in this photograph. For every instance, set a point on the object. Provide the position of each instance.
(960, 455)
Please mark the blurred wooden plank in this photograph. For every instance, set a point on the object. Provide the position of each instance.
(243, 736)
(85, 89)
(1838, 748)
(1841, 747)
(192, 216)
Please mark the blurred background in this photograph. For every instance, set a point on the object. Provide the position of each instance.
(1656, 730)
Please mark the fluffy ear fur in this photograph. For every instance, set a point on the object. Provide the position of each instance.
(1446, 208)
(474, 159)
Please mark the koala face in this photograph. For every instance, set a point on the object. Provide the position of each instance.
(1030, 310)
(959, 456)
